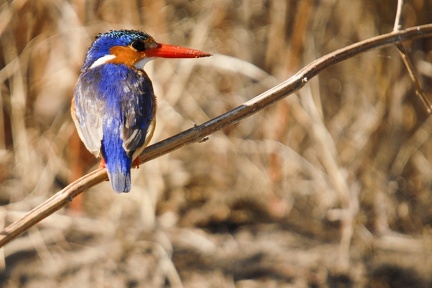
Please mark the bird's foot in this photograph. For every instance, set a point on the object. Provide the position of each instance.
(102, 164)
(136, 163)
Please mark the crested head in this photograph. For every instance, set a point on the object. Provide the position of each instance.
(132, 48)
(105, 42)
(122, 37)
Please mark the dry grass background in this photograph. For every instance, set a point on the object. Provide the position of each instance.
(328, 188)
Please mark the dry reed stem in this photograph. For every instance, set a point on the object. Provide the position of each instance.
(199, 133)
(408, 64)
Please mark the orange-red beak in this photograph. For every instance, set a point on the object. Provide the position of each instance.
(170, 51)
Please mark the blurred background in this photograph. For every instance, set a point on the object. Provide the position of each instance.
(330, 187)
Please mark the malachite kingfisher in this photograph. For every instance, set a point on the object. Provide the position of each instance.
(114, 105)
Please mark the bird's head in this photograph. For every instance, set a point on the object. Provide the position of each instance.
(132, 48)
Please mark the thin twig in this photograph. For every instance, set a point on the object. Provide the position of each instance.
(398, 19)
(199, 133)
(408, 64)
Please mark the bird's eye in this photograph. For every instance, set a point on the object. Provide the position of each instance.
(138, 45)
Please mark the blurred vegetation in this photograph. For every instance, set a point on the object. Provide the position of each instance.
(328, 188)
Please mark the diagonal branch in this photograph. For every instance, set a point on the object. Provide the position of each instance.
(200, 132)
(408, 64)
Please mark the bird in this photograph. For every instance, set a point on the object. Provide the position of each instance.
(114, 105)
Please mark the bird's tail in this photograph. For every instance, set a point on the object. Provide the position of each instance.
(119, 178)
(119, 173)
(117, 161)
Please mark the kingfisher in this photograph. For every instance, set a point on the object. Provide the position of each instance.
(114, 105)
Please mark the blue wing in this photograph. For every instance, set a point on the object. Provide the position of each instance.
(114, 108)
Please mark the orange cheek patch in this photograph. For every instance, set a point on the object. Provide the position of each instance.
(125, 55)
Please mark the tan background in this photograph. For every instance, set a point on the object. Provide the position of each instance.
(328, 188)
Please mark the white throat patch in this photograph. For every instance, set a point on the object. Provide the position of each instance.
(102, 60)
(105, 59)
(140, 64)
